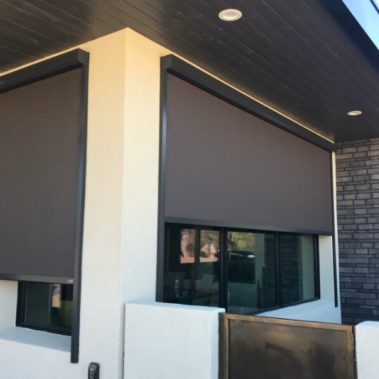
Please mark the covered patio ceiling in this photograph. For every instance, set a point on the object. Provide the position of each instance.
(309, 59)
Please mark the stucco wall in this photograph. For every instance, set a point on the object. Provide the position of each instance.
(8, 302)
(366, 344)
(171, 341)
(141, 166)
(102, 308)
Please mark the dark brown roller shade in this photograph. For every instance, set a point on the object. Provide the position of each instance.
(225, 167)
(40, 156)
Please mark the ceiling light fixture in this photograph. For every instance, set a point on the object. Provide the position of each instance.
(355, 112)
(230, 15)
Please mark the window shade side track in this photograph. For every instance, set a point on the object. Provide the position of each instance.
(43, 132)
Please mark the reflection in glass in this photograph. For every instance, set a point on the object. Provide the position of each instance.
(259, 271)
(47, 306)
(251, 272)
(187, 246)
(297, 271)
(209, 245)
(192, 266)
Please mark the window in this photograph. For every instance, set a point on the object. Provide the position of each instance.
(245, 271)
(45, 306)
(192, 266)
(43, 112)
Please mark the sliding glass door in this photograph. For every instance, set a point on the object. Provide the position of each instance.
(251, 272)
(244, 271)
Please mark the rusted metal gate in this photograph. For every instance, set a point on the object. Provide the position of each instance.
(269, 348)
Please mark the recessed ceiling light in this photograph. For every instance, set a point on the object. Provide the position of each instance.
(230, 15)
(355, 112)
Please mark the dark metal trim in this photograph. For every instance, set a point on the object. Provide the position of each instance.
(80, 213)
(351, 26)
(284, 321)
(162, 177)
(375, 5)
(69, 61)
(316, 249)
(20, 301)
(223, 271)
(57, 65)
(278, 273)
(185, 71)
(334, 240)
(36, 278)
(252, 227)
(49, 330)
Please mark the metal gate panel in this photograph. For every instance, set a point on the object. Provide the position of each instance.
(269, 348)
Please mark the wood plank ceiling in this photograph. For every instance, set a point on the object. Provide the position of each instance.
(307, 58)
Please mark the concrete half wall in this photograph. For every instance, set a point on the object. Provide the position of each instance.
(171, 341)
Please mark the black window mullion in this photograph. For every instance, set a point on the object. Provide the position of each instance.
(316, 258)
(20, 314)
(278, 271)
(223, 283)
(194, 277)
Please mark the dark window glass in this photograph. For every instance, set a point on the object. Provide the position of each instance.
(297, 268)
(192, 266)
(244, 271)
(251, 272)
(45, 306)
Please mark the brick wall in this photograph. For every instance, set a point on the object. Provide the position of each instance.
(290, 260)
(358, 224)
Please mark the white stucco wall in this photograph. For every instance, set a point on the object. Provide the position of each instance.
(367, 346)
(101, 334)
(27, 353)
(141, 166)
(8, 303)
(171, 341)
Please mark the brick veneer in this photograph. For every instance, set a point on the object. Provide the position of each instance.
(358, 224)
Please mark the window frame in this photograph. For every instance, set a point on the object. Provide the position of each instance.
(20, 313)
(179, 68)
(224, 263)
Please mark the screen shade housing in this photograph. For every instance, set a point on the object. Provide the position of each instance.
(41, 162)
(226, 167)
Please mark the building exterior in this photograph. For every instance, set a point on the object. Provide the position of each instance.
(120, 232)
(162, 216)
